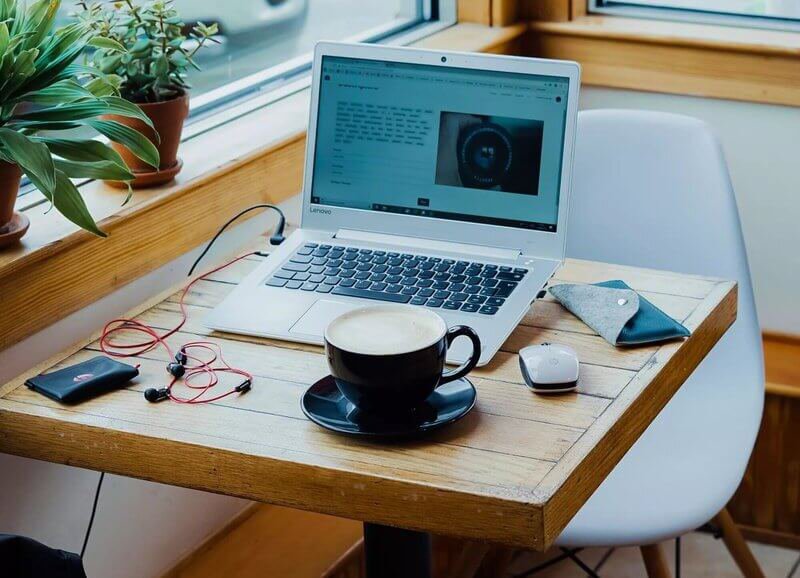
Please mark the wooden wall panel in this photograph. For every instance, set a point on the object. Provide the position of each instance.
(173, 228)
(671, 68)
(768, 501)
(782, 362)
(506, 12)
(475, 11)
(545, 10)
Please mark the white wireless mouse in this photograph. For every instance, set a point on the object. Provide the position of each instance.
(549, 367)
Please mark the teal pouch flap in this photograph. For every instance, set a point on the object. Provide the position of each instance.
(618, 313)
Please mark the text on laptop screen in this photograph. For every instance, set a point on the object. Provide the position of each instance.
(442, 142)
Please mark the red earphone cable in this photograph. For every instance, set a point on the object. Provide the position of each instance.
(192, 350)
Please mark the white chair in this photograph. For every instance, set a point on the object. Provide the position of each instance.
(652, 190)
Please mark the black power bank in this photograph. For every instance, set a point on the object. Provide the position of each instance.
(83, 380)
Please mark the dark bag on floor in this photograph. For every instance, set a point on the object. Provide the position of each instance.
(25, 558)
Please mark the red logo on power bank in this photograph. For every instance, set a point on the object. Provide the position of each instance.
(82, 377)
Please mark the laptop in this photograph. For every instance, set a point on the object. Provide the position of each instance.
(432, 179)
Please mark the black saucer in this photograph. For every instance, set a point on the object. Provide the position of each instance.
(324, 404)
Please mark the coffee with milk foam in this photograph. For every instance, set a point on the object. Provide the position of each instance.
(388, 330)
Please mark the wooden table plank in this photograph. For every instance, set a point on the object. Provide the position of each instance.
(639, 279)
(514, 471)
(270, 435)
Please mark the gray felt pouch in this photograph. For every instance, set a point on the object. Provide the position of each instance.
(618, 313)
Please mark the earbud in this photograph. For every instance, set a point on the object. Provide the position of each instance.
(176, 369)
(154, 395)
(181, 357)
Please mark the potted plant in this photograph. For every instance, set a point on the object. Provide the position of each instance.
(146, 47)
(43, 92)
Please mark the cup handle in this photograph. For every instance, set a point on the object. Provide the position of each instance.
(468, 365)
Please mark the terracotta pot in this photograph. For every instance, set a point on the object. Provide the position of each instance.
(167, 117)
(10, 175)
(13, 226)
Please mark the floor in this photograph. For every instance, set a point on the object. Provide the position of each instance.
(702, 556)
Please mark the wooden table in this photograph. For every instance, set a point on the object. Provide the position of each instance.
(514, 471)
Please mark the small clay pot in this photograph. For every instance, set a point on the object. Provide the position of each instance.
(10, 175)
(168, 117)
(12, 225)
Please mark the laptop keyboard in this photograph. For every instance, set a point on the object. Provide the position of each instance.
(467, 286)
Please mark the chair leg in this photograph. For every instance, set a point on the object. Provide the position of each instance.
(654, 561)
(740, 551)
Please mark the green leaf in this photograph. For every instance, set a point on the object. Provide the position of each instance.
(21, 70)
(107, 85)
(161, 66)
(110, 63)
(68, 201)
(87, 150)
(7, 8)
(42, 14)
(61, 92)
(4, 37)
(179, 59)
(50, 71)
(86, 109)
(35, 125)
(106, 44)
(126, 136)
(94, 170)
(58, 43)
(34, 158)
(140, 45)
(18, 16)
(5, 65)
(124, 107)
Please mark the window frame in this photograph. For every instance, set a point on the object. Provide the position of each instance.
(627, 9)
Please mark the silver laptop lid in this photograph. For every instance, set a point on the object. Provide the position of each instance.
(467, 148)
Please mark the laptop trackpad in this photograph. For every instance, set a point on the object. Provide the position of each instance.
(317, 318)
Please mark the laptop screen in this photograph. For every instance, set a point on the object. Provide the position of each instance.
(440, 142)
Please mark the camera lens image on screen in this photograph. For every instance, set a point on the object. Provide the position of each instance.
(489, 152)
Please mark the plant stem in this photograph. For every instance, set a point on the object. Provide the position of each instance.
(200, 41)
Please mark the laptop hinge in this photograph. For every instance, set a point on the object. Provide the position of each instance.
(429, 244)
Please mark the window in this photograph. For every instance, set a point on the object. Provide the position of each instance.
(782, 14)
(264, 41)
(265, 48)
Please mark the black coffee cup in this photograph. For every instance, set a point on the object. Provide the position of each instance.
(381, 365)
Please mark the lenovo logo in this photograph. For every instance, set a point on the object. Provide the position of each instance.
(320, 211)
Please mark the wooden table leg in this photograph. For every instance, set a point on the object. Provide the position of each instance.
(496, 562)
(654, 561)
(469, 560)
(740, 551)
(396, 553)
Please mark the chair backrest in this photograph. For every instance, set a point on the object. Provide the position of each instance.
(652, 189)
